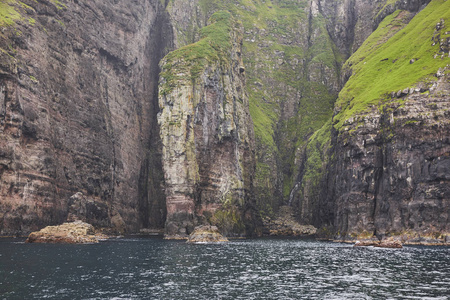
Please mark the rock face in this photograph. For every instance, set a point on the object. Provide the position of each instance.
(98, 213)
(206, 131)
(206, 234)
(284, 224)
(98, 124)
(393, 171)
(385, 169)
(68, 233)
(380, 244)
(78, 106)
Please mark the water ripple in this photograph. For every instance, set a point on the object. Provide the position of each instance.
(245, 269)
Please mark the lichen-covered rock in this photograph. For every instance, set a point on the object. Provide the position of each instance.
(76, 232)
(206, 234)
(388, 243)
(206, 129)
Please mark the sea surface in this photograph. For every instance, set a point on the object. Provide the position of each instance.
(153, 268)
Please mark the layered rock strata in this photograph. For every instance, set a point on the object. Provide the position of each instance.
(393, 170)
(78, 106)
(206, 131)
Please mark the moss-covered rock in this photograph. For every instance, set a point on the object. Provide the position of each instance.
(206, 234)
(206, 130)
(76, 232)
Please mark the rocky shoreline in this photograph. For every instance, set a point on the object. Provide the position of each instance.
(284, 224)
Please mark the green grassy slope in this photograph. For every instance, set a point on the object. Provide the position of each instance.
(282, 47)
(214, 45)
(382, 64)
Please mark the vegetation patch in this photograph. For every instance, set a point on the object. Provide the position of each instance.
(214, 46)
(317, 153)
(396, 56)
(228, 219)
(8, 13)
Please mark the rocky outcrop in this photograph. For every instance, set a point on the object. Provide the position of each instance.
(78, 113)
(366, 243)
(206, 132)
(68, 233)
(206, 234)
(99, 214)
(392, 172)
(390, 243)
(284, 224)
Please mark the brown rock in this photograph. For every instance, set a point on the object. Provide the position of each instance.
(389, 244)
(285, 224)
(76, 232)
(96, 75)
(206, 234)
(366, 243)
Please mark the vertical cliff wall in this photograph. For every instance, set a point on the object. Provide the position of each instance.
(206, 130)
(380, 168)
(78, 113)
(348, 102)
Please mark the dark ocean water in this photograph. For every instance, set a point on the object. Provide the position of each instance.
(146, 268)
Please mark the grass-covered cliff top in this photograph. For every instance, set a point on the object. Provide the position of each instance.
(8, 13)
(383, 64)
(11, 11)
(214, 46)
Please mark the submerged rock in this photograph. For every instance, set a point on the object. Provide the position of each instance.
(206, 234)
(365, 243)
(76, 232)
(389, 244)
(379, 244)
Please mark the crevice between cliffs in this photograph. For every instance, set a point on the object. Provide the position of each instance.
(152, 202)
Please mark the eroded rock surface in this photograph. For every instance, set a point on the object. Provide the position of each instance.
(206, 234)
(207, 133)
(284, 224)
(389, 243)
(393, 170)
(78, 106)
(76, 232)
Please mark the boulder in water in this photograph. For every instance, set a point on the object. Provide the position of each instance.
(390, 244)
(77, 232)
(206, 234)
(366, 243)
